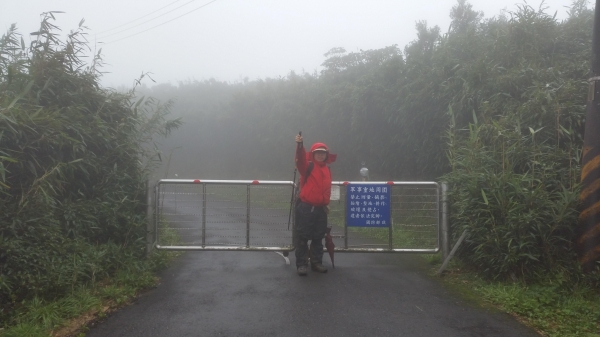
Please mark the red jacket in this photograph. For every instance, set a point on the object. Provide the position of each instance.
(316, 189)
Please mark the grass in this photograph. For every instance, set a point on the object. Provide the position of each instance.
(402, 236)
(552, 309)
(70, 315)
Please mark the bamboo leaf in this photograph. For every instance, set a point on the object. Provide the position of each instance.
(485, 199)
(23, 93)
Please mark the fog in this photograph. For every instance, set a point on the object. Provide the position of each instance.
(231, 40)
(246, 76)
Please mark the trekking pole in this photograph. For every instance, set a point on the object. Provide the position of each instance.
(293, 186)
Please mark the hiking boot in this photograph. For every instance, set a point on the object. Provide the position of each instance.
(318, 267)
(302, 270)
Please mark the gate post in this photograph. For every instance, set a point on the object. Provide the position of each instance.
(444, 220)
(248, 216)
(345, 215)
(203, 215)
(149, 218)
(157, 209)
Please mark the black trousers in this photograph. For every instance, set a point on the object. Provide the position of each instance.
(311, 224)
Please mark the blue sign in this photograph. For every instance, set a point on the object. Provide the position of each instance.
(368, 205)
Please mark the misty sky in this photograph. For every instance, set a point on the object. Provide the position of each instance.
(233, 39)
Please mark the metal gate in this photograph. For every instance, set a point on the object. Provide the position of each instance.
(256, 215)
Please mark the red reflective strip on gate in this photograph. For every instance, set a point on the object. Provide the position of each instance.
(255, 182)
(196, 181)
(390, 183)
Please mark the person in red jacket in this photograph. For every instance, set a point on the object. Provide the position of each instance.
(312, 206)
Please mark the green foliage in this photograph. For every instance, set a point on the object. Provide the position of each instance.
(514, 148)
(39, 317)
(74, 159)
(29, 330)
(548, 308)
(518, 224)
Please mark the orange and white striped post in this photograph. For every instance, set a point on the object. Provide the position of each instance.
(587, 242)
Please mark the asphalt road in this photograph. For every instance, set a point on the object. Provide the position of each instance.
(207, 293)
(256, 294)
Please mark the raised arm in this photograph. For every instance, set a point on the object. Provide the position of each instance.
(301, 163)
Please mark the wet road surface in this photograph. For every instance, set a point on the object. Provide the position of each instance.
(256, 294)
(225, 293)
